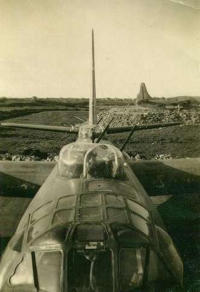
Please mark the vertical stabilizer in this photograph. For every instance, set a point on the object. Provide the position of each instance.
(143, 94)
(92, 101)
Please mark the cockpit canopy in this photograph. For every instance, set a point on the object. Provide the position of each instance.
(90, 160)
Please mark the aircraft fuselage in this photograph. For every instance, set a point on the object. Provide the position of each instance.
(90, 227)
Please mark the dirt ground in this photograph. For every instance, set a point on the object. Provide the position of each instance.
(172, 142)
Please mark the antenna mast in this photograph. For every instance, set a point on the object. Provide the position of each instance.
(92, 101)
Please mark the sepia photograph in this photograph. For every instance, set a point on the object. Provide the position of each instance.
(99, 145)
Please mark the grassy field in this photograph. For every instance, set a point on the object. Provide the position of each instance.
(178, 141)
(18, 107)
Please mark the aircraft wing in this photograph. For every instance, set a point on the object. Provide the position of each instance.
(174, 187)
(22, 178)
(72, 129)
(170, 176)
(19, 181)
(12, 210)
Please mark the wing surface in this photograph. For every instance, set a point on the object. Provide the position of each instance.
(65, 129)
(174, 187)
(167, 177)
(19, 181)
(22, 178)
(12, 210)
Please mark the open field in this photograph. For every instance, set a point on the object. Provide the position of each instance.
(17, 107)
(176, 142)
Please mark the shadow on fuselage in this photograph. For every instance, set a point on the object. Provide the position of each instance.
(181, 217)
(16, 187)
(170, 177)
(181, 212)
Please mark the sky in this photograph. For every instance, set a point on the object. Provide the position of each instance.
(45, 47)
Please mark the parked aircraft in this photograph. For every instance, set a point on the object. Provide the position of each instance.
(91, 226)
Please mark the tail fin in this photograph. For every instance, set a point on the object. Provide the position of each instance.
(92, 101)
(143, 94)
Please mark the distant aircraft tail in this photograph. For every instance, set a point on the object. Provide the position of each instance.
(92, 100)
(97, 133)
